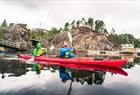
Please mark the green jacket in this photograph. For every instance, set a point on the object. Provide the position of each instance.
(35, 52)
(38, 50)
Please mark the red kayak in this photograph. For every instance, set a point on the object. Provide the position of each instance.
(79, 60)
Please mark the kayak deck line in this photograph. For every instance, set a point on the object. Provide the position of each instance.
(83, 61)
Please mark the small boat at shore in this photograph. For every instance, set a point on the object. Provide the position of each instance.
(127, 49)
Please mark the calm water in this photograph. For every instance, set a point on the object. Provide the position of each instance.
(20, 79)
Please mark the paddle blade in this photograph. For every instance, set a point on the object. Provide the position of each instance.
(70, 36)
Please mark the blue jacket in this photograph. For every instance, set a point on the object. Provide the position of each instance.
(65, 74)
(62, 52)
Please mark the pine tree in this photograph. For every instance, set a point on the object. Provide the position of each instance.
(77, 23)
(66, 26)
(90, 22)
(99, 25)
(4, 23)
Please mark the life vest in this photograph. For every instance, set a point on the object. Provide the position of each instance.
(39, 52)
(66, 54)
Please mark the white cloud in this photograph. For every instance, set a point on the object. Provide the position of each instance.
(122, 15)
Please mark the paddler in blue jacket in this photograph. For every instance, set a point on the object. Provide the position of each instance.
(65, 74)
(65, 51)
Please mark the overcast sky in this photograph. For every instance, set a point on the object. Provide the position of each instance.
(122, 15)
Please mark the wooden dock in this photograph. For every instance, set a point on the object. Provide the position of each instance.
(103, 53)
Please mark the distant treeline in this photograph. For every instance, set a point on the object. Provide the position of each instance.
(119, 39)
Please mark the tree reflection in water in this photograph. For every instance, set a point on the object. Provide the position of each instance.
(13, 69)
(82, 76)
(99, 77)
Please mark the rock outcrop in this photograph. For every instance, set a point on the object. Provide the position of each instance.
(84, 38)
(19, 34)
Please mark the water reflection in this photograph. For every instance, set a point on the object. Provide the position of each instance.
(61, 80)
(132, 61)
(137, 61)
(13, 69)
(80, 74)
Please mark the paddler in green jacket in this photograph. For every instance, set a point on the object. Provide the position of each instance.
(38, 51)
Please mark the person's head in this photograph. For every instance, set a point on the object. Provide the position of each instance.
(38, 45)
(65, 44)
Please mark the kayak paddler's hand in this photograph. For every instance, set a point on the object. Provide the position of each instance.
(73, 51)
